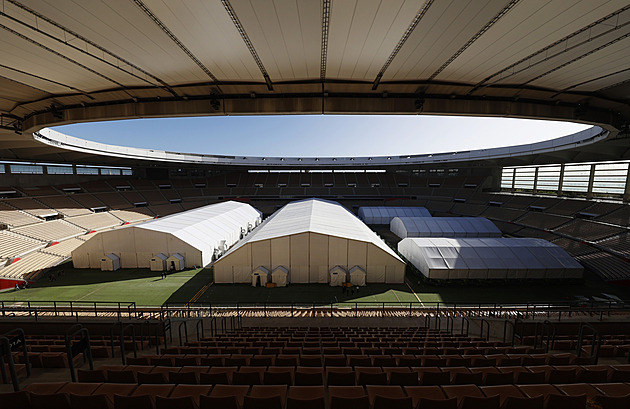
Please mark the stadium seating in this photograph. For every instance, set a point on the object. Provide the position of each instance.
(245, 372)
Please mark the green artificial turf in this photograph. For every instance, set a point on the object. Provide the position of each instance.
(147, 288)
(144, 287)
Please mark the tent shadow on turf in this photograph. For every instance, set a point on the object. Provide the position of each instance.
(73, 277)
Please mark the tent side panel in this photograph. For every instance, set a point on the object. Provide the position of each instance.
(376, 261)
(80, 255)
(128, 259)
(261, 253)
(280, 252)
(319, 265)
(337, 252)
(299, 265)
(357, 254)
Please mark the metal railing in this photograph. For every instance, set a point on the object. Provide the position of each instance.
(595, 343)
(74, 347)
(549, 310)
(69, 309)
(10, 341)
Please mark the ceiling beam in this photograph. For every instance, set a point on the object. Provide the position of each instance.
(412, 26)
(608, 21)
(474, 38)
(324, 47)
(248, 43)
(174, 38)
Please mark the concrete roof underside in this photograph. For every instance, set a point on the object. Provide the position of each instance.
(68, 61)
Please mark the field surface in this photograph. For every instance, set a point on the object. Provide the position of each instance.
(147, 288)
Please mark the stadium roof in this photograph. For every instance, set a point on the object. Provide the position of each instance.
(316, 216)
(68, 61)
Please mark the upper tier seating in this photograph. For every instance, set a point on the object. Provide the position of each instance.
(12, 244)
(65, 205)
(95, 221)
(54, 230)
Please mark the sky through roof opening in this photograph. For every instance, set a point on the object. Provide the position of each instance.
(321, 135)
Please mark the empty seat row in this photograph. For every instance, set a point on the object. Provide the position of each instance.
(345, 375)
(65, 395)
(319, 360)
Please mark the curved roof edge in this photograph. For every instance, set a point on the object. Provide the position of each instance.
(56, 139)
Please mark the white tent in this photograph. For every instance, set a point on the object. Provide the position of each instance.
(260, 277)
(489, 258)
(175, 261)
(196, 234)
(158, 262)
(337, 276)
(452, 227)
(279, 276)
(385, 214)
(110, 262)
(310, 237)
(357, 276)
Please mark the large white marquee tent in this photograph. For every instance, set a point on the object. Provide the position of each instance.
(198, 235)
(452, 227)
(310, 238)
(489, 258)
(385, 214)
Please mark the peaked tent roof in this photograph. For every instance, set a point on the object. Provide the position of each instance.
(316, 216)
(444, 227)
(206, 225)
(385, 214)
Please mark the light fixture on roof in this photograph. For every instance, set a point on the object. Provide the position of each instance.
(215, 103)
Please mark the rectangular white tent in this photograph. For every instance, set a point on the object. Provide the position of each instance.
(310, 237)
(452, 227)
(385, 214)
(198, 235)
(489, 258)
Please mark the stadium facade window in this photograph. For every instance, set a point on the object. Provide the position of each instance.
(87, 171)
(507, 178)
(110, 172)
(59, 170)
(2, 169)
(548, 179)
(127, 172)
(28, 169)
(524, 178)
(576, 178)
(600, 179)
(610, 178)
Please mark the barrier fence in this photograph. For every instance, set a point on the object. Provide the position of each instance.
(129, 310)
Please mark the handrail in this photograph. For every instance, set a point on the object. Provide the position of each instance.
(517, 321)
(450, 323)
(594, 347)
(179, 332)
(8, 342)
(505, 324)
(73, 349)
(550, 329)
(465, 320)
(123, 329)
(483, 320)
